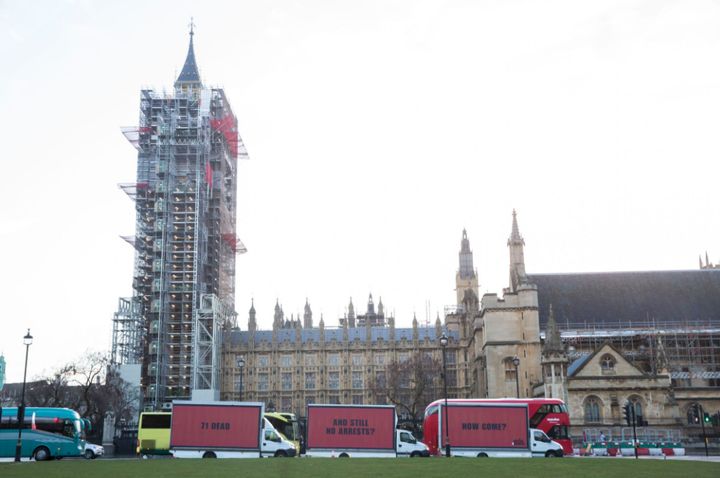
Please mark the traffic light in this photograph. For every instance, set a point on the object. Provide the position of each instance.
(629, 413)
(695, 409)
(706, 417)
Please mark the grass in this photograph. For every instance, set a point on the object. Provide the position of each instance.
(361, 468)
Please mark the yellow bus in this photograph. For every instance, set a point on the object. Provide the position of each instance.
(154, 434)
(287, 424)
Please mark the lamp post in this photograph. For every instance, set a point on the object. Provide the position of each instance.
(27, 340)
(700, 412)
(241, 365)
(516, 362)
(443, 344)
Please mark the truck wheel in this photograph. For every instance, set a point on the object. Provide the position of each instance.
(89, 455)
(344, 455)
(209, 454)
(552, 454)
(482, 455)
(41, 454)
(414, 454)
(281, 454)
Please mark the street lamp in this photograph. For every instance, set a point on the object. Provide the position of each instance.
(27, 341)
(241, 365)
(516, 362)
(443, 344)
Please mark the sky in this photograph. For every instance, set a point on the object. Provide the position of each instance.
(376, 132)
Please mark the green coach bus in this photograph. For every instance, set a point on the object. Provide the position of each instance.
(47, 433)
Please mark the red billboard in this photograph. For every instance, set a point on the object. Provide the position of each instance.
(486, 426)
(230, 426)
(346, 427)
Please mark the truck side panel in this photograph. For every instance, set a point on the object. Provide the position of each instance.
(345, 427)
(215, 426)
(486, 426)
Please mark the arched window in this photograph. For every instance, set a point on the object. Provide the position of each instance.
(607, 364)
(592, 407)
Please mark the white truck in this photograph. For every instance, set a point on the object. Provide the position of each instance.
(370, 431)
(224, 430)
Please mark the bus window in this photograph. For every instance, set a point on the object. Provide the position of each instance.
(150, 420)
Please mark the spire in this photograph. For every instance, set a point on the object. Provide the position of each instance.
(515, 237)
(252, 323)
(279, 315)
(189, 76)
(381, 308)
(553, 343)
(467, 269)
(307, 316)
(351, 315)
(415, 327)
(438, 326)
(517, 255)
(464, 243)
(371, 305)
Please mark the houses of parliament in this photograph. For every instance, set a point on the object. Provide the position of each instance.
(596, 340)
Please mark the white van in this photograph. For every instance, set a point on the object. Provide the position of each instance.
(274, 443)
(407, 445)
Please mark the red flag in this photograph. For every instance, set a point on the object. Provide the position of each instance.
(208, 174)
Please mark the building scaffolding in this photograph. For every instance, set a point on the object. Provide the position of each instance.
(211, 318)
(127, 333)
(689, 350)
(185, 246)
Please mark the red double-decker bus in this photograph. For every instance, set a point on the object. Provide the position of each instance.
(547, 414)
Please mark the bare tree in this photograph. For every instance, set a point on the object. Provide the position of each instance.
(89, 386)
(410, 385)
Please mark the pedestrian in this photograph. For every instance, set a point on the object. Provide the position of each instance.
(602, 437)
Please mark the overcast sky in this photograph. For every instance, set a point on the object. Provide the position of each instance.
(376, 132)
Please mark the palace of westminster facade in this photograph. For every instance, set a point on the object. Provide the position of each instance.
(595, 340)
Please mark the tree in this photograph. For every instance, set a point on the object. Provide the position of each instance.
(88, 385)
(410, 385)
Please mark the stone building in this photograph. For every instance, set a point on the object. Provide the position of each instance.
(296, 363)
(596, 340)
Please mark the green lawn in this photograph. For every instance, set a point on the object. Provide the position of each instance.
(362, 468)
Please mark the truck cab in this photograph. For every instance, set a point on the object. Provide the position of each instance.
(542, 446)
(408, 445)
(274, 443)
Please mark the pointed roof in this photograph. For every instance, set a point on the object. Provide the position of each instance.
(465, 242)
(515, 237)
(189, 73)
(553, 343)
(252, 305)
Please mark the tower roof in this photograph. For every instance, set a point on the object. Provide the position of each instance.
(189, 73)
(464, 243)
(515, 237)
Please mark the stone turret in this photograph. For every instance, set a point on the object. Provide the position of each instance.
(554, 361)
(252, 321)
